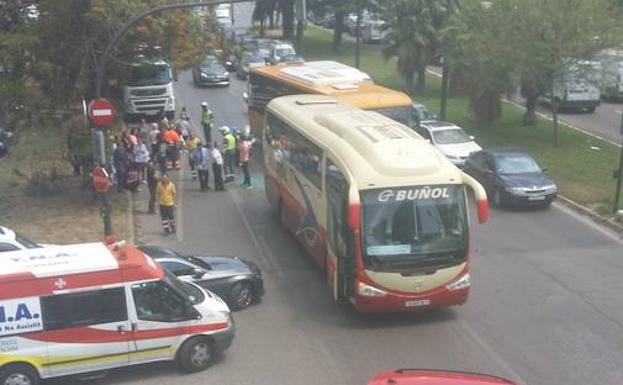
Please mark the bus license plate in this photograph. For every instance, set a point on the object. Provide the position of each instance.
(537, 198)
(417, 303)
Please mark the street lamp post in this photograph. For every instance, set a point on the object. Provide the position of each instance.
(358, 36)
(618, 173)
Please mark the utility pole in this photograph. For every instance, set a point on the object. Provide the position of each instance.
(358, 36)
(618, 173)
(443, 105)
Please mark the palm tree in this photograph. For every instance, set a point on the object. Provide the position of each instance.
(410, 37)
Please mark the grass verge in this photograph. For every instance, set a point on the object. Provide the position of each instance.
(581, 166)
(65, 214)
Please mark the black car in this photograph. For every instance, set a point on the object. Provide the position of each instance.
(511, 177)
(237, 281)
(249, 59)
(211, 72)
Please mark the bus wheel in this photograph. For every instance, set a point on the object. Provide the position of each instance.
(195, 355)
(19, 374)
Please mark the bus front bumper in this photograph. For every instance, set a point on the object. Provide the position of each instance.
(401, 302)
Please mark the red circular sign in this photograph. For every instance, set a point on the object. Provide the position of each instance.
(99, 178)
(101, 112)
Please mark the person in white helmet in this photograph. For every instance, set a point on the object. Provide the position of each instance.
(229, 151)
(207, 120)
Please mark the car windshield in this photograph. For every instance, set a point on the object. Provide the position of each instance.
(402, 115)
(149, 74)
(27, 243)
(414, 227)
(451, 136)
(516, 164)
(186, 289)
(282, 52)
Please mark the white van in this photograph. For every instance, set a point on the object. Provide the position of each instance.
(612, 74)
(577, 88)
(80, 308)
(148, 90)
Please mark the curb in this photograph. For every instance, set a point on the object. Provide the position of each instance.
(610, 223)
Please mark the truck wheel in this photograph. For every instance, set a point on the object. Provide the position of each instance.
(19, 374)
(195, 355)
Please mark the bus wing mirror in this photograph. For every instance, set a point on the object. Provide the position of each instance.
(481, 197)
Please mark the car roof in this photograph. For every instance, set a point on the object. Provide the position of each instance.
(158, 251)
(437, 125)
(506, 150)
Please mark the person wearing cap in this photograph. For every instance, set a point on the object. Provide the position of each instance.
(229, 150)
(217, 167)
(207, 119)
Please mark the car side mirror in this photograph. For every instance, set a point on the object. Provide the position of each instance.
(198, 273)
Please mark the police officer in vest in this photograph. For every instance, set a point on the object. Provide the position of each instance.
(229, 150)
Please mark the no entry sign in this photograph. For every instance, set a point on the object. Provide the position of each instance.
(99, 177)
(101, 112)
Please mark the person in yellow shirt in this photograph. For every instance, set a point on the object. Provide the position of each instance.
(165, 192)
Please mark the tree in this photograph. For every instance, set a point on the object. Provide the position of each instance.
(410, 38)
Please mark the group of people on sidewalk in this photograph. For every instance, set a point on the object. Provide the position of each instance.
(161, 145)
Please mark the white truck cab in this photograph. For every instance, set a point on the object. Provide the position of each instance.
(74, 309)
(148, 90)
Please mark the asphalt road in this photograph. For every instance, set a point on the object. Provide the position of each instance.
(545, 307)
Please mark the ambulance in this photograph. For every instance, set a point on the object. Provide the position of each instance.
(74, 309)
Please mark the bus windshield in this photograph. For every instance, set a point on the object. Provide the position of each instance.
(413, 228)
(149, 75)
(402, 115)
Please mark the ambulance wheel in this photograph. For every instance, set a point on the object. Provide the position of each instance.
(195, 355)
(18, 374)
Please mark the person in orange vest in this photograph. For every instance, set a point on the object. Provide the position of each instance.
(173, 141)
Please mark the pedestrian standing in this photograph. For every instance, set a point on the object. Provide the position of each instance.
(152, 138)
(217, 167)
(191, 145)
(229, 149)
(201, 155)
(144, 130)
(184, 114)
(245, 156)
(161, 154)
(173, 140)
(207, 119)
(141, 156)
(165, 193)
(152, 183)
(183, 129)
(121, 168)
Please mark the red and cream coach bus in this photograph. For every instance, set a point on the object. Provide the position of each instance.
(382, 211)
(80, 308)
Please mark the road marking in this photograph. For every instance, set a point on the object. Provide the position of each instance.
(262, 254)
(495, 356)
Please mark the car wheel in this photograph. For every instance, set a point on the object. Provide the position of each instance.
(195, 355)
(241, 295)
(497, 198)
(19, 374)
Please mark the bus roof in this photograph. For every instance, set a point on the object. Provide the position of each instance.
(332, 78)
(378, 151)
(71, 267)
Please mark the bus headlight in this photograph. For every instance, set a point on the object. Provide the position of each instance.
(459, 284)
(369, 291)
